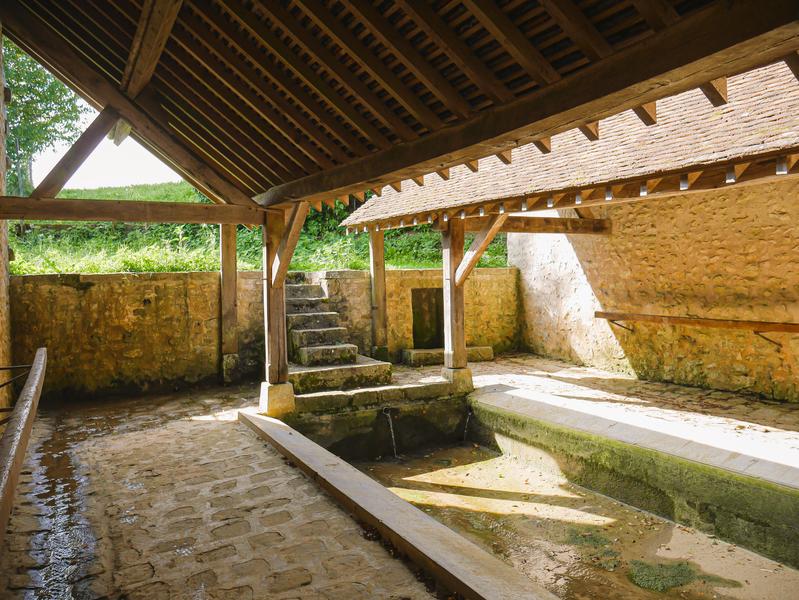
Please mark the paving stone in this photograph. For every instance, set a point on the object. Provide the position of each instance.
(135, 574)
(289, 580)
(265, 539)
(276, 518)
(217, 554)
(228, 530)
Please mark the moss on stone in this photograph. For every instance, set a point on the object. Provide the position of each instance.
(660, 577)
(751, 512)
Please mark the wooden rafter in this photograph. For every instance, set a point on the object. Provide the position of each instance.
(715, 91)
(659, 14)
(675, 60)
(647, 113)
(155, 25)
(522, 49)
(325, 56)
(51, 50)
(45, 209)
(572, 20)
(792, 60)
(77, 154)
(409, 56)
(333, 27)
(460, 53)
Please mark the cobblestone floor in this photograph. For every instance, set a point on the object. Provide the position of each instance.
(170, 497)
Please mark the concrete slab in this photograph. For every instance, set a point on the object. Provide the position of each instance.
(458, 564)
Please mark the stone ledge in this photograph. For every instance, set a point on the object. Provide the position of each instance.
(620, 462)
(422, 357)
(455, 562)
(387, 395)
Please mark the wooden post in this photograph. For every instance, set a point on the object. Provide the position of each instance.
(277, 394)
(455, 369)
(377, 268)
(5, 319)
(228, 303)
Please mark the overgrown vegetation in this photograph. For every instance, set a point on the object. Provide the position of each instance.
(116, 247)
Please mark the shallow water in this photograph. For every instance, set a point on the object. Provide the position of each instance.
(576, 543)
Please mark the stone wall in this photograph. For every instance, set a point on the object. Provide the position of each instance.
(492, 306)
(727, 254)
(130, 332)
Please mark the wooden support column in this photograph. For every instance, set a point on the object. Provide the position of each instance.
(228, 302)
(455, 369)
(5, 312)
(280, 235)
(377, 268)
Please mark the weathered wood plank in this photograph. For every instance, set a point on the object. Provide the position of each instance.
(542, 225)
(152, 32)
(758, 326)
(16, 434)
(42, 209)
(77, 154)
(478, 247)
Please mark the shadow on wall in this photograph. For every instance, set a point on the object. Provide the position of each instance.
(721, 255)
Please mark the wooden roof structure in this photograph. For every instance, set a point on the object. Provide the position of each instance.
(691, 145)
(309, 100)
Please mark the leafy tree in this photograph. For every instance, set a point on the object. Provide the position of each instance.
(42, 113)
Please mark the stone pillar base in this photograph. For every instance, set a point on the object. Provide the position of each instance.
(230, 368)
(277, 399)
(461, 379)
(380, 353)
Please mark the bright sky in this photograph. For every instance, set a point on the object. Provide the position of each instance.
(109, 165)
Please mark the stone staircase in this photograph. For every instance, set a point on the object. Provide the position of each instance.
(319, 355)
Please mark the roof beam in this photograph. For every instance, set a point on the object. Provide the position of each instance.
(478, 247)
(543, 225)
(659, 14)
(25, 29)
(715, 91)
(127, 211)
(77, 154)
(407, 54)
(792, 60)
(714, 41)
(306, 73)
(429, 21)
(329, 61)
(155, 25)
(508, 35)
(364, 56)
(575, 24)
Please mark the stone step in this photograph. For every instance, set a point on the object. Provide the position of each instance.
(317, 320)
(419, 357)
(296, 277)
(304, 290)
(385, 395)
(365, 372)
(306, 305)
(317, 337)
(334, 354)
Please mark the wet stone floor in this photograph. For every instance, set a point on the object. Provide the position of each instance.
(171, 497)
(578, 544)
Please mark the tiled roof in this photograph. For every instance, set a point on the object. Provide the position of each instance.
(762, 115)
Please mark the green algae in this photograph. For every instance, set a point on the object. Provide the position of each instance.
(661, 577)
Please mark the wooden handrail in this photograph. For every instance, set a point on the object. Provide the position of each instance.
(755, 326)
(14, 440)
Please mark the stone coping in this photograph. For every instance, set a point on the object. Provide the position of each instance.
(458, 564)
(679, 439)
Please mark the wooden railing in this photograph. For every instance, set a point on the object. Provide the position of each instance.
(14, 440)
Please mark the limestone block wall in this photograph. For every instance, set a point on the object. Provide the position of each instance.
(130, 332)
(728, 254)
(492, 307)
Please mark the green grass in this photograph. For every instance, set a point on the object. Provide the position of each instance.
(117, 247)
